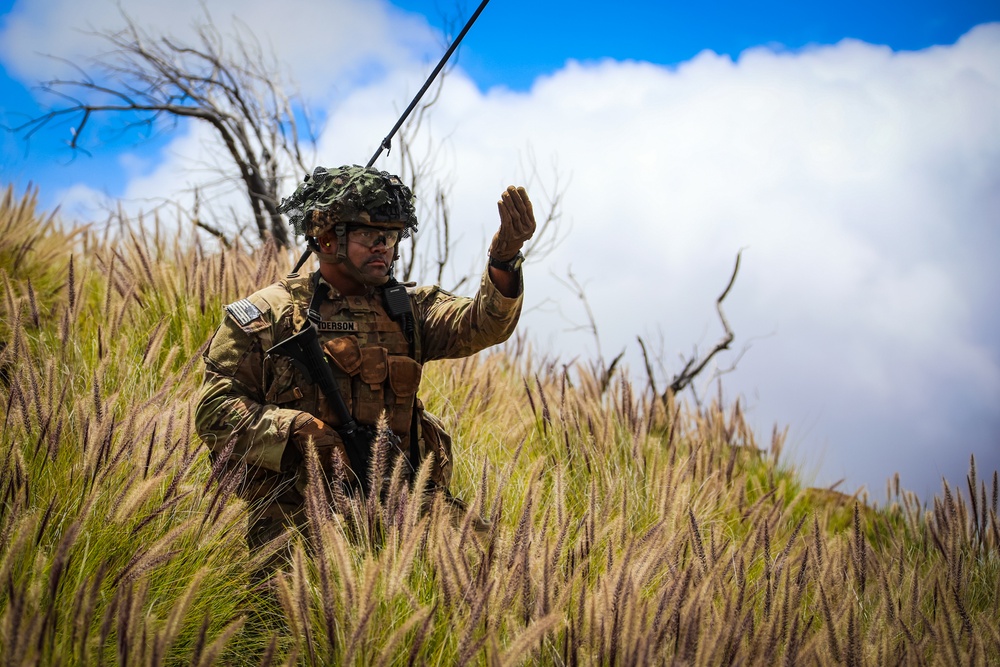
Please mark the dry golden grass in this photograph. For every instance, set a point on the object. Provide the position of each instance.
(625, 530)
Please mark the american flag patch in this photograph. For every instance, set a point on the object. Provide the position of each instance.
(243, 312)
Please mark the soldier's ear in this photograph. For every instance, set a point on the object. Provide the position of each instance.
(327, 242)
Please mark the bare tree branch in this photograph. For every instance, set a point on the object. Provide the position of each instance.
(549, 232)
(415, 139)
(601, 370)
(580, 293)
(693, 366)
(228, 82)
(214, 232)
(149, 82)
(443, 236)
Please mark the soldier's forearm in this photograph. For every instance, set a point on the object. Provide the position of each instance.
(261, 431)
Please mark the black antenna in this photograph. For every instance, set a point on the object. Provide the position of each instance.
(387, 141)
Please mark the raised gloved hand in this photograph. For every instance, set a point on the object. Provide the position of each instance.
(517, 224)
(324, 438)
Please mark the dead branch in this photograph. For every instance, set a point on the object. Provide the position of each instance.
(150, 82)
(601, 370)
(217, 233)
(693, 366)
(229, 82)
(580, 293)
(443, 249)
(549, 233)
(416, 138)
(417, 172)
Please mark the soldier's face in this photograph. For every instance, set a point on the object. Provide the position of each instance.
(372, 262)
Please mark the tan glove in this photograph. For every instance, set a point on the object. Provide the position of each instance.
(326, 440)
(517, 224)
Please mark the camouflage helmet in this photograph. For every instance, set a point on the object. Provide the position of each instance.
(349, 194)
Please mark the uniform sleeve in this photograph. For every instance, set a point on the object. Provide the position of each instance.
(453, 326)
(232, 401)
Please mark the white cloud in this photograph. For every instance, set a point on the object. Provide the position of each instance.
(324, 44)
(862, 183)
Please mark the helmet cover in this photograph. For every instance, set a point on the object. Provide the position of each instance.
(349, 194)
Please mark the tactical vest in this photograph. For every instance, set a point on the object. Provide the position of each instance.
(379, 367)
(375, 366)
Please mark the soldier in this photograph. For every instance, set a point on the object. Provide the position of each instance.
(258, 410)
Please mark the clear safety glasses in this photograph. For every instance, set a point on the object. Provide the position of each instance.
(370, 236)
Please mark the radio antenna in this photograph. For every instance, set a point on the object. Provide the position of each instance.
(387, 141)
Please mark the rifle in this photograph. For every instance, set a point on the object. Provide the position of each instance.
(304, 351)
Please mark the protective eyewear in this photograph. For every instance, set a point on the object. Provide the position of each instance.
(370, 236)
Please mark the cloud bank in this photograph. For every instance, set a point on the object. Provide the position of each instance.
(327, 46)
(863, 185)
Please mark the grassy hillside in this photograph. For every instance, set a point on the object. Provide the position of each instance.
(625, 531)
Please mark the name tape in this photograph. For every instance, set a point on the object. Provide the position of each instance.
(337, 326)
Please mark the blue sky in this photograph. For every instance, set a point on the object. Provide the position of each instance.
(516, 41)
(852, 150)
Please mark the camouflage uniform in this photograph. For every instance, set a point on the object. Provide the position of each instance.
(249, 400)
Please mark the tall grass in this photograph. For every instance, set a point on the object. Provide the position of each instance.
(625, 530)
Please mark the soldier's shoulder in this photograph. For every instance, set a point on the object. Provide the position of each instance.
(296, 285)
(260, 309)
(427, 293)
